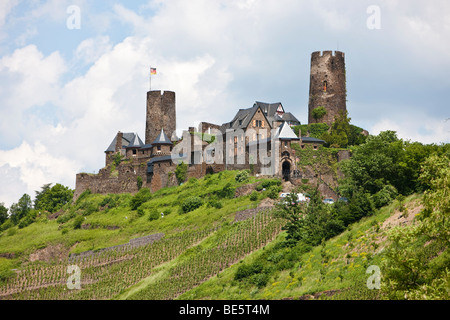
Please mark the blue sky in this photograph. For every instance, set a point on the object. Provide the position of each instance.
(64, 93)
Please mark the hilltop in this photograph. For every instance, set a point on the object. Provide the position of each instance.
(225, 237)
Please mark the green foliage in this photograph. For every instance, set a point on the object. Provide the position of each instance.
(181, 172)
(139, 182)
(3, 213)
(273, 191)
(315, 130)
(242, 176)
(254, 195)
(65, 217)
(52, 199)
(77, 222)
(191, 203)
(117, 158)
(27, 220)
(140, 197)
(154, 215)
(214, 203)
(20, 209)
(318, 113)
(384, 196)
(418, 256)
(83, 195)
(227, 192)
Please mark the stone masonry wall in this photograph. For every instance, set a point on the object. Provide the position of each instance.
(330, 68)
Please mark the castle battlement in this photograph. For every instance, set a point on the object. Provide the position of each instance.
(327, 53)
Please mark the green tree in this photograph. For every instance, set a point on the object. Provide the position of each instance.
(338, 137)
(3, 213)
(52, 199)
(20, 209)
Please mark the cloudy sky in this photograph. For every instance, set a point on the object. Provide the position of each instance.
(73, 73)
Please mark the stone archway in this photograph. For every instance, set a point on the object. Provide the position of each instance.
(286, 170)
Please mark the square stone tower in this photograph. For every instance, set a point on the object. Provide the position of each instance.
(161, 114)
(327, 86)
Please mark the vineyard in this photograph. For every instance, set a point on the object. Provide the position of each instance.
(197, 255)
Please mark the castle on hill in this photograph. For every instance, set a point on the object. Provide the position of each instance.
(259, 138)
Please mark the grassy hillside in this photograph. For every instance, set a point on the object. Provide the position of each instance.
(206, 253)
(40, 250)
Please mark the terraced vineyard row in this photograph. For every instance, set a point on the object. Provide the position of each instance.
(240, 240)
(106, 274)
(102, 276)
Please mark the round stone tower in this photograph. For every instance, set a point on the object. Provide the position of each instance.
(327, 86)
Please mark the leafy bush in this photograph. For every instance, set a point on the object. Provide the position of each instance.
(319, 112)
(270, 182)
(242, 176)
(140, 211)
(65, 217)
(254, 196)
(273, 191)
(215, 203)
(247, 270)
(384, 196)
(181, 172)
(139, 182)
(191, 204)
(139, 198)
(227, 191)
(154, 215)
(77, 222)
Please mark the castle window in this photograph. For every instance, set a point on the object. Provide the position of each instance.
(235, 139)
(134, 151)
(240, 122)
(324, 86)
(158, 148)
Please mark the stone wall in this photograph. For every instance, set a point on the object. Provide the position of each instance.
(123, 179)
(161, 113)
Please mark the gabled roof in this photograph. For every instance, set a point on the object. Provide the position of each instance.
(286, 133)
(127, 137)
(162, 138)
(242, 119)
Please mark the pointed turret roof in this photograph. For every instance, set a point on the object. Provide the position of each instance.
(162, 138)
(135, 142)
(286, 133)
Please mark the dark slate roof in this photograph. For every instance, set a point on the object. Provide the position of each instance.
(135, 142)
(127, 137)
(162, 138)
(311, 140)
(146, 146)
(287, 116)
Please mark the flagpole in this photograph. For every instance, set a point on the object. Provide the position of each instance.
(150, 78)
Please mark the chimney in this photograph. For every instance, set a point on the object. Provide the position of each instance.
(119, 141)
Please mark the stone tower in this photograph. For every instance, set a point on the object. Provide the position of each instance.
(327, 85)
(161, 114)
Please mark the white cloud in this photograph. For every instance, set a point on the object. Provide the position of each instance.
(28, 167)
(218, 56)
(423, 128)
